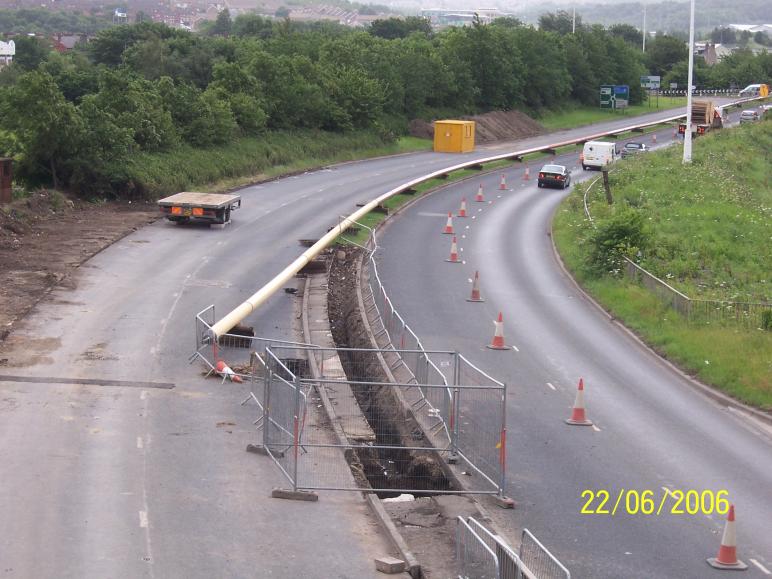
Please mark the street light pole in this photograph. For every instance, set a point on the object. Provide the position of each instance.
(688, 132)
(573, 22)
(644, 27)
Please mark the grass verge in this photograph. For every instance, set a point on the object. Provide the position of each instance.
(253, 159)
(709, 236)
(584, 115)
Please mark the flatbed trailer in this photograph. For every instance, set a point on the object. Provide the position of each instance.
(212, 207)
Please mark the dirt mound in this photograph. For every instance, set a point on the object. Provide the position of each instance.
(489, 127)
(46, 235)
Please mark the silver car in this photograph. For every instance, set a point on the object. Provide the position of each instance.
(749, 117)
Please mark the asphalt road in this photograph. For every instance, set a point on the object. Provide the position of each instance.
(653, 430)
(139, 480)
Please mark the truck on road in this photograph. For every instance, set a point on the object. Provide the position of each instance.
(212, 207)
(705, 116)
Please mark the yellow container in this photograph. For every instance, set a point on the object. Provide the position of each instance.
(453, 136)
(764, 90)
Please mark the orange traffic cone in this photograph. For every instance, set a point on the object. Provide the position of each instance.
(727, 552)
(453, 251)
(527, 174)
(462, 211)
(449, 225)
(498, 336)
(503, 183)
(479, 197)
(475, 289)
(227, 374)
(654, 138)
(577, 415)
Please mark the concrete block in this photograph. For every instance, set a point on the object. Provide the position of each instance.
(389, 565)
(294, 495)
(504, 502)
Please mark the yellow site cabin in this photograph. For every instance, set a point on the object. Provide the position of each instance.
(453, 136)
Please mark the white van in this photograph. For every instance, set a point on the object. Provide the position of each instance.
(597, 154)
(751, 90)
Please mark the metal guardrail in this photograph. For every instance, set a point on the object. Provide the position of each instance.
(247, 307)
(695, 310)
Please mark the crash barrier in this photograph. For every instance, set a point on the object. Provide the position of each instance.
(234, 317)
(699, 92)
(697, 311)
(384, 436)
(480, 554)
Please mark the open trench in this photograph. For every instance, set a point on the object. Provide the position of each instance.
(395, 467)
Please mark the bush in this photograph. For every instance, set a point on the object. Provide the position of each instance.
(766, 320)
(625, 234)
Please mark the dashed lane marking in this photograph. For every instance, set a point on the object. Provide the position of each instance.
(595, 428)
(761, 567)
(551, 385)
(143, 519)
(140, 445)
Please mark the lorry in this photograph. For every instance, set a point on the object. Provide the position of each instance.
(214, 208)
(705, 116)
(598, 154)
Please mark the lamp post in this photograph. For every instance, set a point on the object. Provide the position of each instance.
(644, 27)
(688, 132)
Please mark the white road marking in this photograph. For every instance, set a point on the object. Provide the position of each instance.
(466, 227)
(461, 249)
(469, 280)
(143, 519)
(498, 196)
(595, 428)
(760, 566)
(515, 348)
(140, 445)
(551, 385)
(667, 490)
(143, 395)
(474, 216)
(480, 209)
(463, 236)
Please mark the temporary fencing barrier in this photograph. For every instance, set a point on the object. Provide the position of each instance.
(481, 554)
(538, 560)
(382, 432)
(474, 557)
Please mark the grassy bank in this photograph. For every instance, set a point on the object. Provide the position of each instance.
(706, 231)
(252, 159)
(577, 116)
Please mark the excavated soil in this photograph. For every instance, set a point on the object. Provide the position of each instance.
(46, 236)
(489, 127)
(394, 468)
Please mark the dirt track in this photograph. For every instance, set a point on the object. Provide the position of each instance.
(45, 238)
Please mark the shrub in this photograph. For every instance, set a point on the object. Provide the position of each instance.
(624, 234)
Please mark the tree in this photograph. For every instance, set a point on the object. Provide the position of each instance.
(223, 24)
(141, 17)
(282, 12)
(628, 33)
(30, 52)
(560, 22)
(723, 36)
(391, 28)
(663, 52)
(761, 38)
(745, 37)
(47, 127)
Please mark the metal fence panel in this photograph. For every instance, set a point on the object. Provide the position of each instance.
(540, 562)
(475, 558)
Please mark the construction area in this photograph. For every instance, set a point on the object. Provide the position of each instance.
(358, 405)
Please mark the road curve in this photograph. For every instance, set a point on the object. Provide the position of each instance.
(655, 430)
(143, 481)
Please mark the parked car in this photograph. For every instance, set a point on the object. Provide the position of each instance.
(633, 149)
(554, 176)
(749, 116)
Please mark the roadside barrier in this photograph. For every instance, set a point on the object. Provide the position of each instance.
(481, 554)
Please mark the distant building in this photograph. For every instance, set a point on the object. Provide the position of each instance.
(752, 28)
(7, 52)
(440, 17)
(66, 42)
(120, 16)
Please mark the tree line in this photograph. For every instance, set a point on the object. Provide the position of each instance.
(74, 119)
